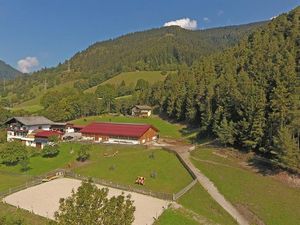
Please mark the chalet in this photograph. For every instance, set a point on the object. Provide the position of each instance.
(33, 131)
(25, 128)
(120, 133)
(141, 111)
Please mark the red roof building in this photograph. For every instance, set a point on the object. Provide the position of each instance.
(119, 133)
(47, 134)
(41, 138)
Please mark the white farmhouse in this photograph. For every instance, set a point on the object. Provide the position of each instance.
(25, 128)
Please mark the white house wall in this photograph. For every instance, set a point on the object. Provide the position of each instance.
(122, 141)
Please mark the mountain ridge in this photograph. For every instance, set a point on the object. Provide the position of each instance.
(7, 71)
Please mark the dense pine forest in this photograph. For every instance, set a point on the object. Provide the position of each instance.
(247, 95)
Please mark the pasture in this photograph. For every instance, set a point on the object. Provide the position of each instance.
(131, 78)
(162, 170)
(260, 197)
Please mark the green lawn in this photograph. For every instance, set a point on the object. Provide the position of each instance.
(133, 161)
(11, 180)
(39, 165)
(175, 217)
(200, 202)
(166, 129)
(132, 78)
(28, 218)
(272, 201)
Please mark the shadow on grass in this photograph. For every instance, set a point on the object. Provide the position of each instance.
(264, 166)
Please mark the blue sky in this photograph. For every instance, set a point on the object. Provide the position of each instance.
(50, 31)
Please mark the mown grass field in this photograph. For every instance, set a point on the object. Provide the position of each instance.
(10, 180)
(39, 165)
(166, 129)
(132, 78)
(272, 201)
(134, 161)
(130, 162)
(199, 201)
(175, 217)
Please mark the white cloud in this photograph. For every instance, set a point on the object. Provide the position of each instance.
(206, 19)
(273, 17)
(25, 65)
(185, 23)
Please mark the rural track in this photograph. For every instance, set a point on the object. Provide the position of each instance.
(183, 152)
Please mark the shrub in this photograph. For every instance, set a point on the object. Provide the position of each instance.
(83, 153)
(50, 151)
(112, 167)
(153, 174)
(12, 153)
(24, 165)
(152, 156)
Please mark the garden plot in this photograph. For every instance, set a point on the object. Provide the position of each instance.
(43, 200)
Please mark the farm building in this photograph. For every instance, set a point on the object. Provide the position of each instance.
(141, 111)
(121, 133)
(43, 137)
(25, 128)
(33, 131)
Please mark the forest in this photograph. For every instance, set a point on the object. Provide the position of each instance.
(157, 49)
(247, 95)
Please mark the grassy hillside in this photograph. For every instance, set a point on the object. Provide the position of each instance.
(158, 49)
(262, 197)
(34, 105)
(200, 202)
(132, 78)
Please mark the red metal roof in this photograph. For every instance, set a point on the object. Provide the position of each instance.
(47, 133)
(117, 129)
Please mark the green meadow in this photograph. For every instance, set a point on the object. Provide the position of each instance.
(132, 78)
(270, 200)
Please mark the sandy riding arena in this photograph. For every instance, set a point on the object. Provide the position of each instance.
(43, 200)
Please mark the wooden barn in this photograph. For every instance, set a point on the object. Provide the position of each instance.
(120, 133)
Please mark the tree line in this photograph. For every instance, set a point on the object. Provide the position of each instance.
(247, 96)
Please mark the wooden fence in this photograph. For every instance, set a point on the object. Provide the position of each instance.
(165, 196)
(67, 173)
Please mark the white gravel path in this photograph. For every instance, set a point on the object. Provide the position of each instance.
(43, 200)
